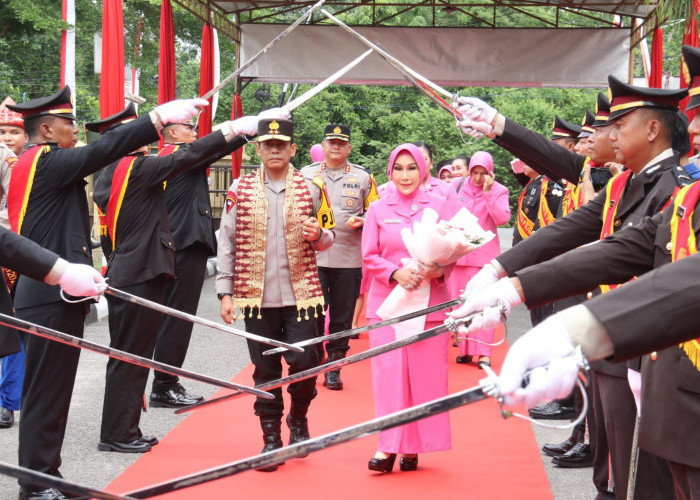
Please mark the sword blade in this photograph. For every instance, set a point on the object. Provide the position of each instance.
(373, 326)
(335, 365)
(196, 319)
(325, 83)
(127, 357)
(57, 482)
(429, 409)
(262, 51)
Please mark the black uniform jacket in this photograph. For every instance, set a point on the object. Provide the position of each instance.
(24, 257)
(544, 156)
(189, 207)
(144, 246)
(57, 211)
(657, 311)
(645, 195)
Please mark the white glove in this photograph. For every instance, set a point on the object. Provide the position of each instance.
(634, 378)
(275, 114)
(245, 125)
(475, 129)
(502, 292)
(486, 276)
(81, 280)
(179, 111)
(475, 109)
(547, 344)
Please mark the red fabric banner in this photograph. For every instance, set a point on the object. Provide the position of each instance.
(657, 59)
(112, 77)
(206, 78)
(166, 61)
(237, 156)
(690, 37)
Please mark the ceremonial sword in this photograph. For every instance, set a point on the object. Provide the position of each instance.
(196, 319)
(57, 482)
(127, 357)
(450, 324)
(487, 387)
(373, 326)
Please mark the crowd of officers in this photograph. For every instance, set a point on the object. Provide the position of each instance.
(289, 257)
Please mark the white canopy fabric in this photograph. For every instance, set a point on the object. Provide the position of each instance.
(517, 57)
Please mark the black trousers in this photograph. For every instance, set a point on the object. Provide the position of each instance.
(49, 377)
(132, 328)
(341, 287)
(686, 480)
(183, 294)
(280, 323)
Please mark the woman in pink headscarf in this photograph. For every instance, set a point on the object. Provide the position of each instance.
(487, 200)
(416, 373)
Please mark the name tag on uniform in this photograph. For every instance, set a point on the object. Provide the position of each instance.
(392, 221)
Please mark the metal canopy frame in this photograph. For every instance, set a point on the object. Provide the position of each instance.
(227, 15)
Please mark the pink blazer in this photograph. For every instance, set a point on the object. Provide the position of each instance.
(493, 210)
(383, 248)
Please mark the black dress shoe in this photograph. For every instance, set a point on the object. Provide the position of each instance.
(552, 411)
(463, 360)
(47, 494)
(557, 450)
(7, 418)
(332, 381)
(174, 397)
(578, 457)
(151, 440)
(382, 464)
(408, 463)
(135, 446)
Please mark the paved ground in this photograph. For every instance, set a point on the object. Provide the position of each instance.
(223, 356)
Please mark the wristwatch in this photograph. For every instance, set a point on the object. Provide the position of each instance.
(222, 295)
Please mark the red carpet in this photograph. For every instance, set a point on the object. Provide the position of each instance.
(490, 457)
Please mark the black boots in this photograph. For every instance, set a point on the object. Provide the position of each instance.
(298, 424)
(332, 379)
(272, 428)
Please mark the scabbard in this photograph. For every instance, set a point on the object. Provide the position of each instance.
(373, 326)
(402, 417)
(335, 365)
(127, 357)
(61, 484)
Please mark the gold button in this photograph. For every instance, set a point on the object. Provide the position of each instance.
(669, 246)
(84, 249)
(527, 210)
(589, 295)
(630, 224)
(207, 212)
(653, 356)
(618, 222)
(170, 244)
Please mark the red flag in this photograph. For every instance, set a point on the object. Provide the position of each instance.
(690, 37)
(237, 157)
(166, 62)
(206, 78)
(112, 77)
(657, 59)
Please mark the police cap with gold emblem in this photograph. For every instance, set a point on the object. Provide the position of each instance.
(625, 98)
(587, 125)
(336, 131)
(282, 130)
(59, 104)
(125, 116)
(691, 73)
(602, 111)
(562, 129)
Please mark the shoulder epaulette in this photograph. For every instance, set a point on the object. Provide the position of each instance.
(683, 177)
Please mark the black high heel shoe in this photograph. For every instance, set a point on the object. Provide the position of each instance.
(408, 463)
(382, 464)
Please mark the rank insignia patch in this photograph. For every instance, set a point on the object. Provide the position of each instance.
(230, 200)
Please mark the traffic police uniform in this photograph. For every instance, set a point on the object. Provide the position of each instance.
(50, 207)
(350, 189)
(142, 262)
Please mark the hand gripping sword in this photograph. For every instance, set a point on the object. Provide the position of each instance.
(127, 357)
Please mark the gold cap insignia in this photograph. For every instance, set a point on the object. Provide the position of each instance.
(274, 127)
(337, 130)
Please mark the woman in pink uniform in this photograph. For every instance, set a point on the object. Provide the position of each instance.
(487, 200)
(416, 373)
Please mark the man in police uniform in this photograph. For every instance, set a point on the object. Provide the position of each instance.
(267, 270)
(656, 311)
(643, 121)
(47, 204)
(351, 189)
